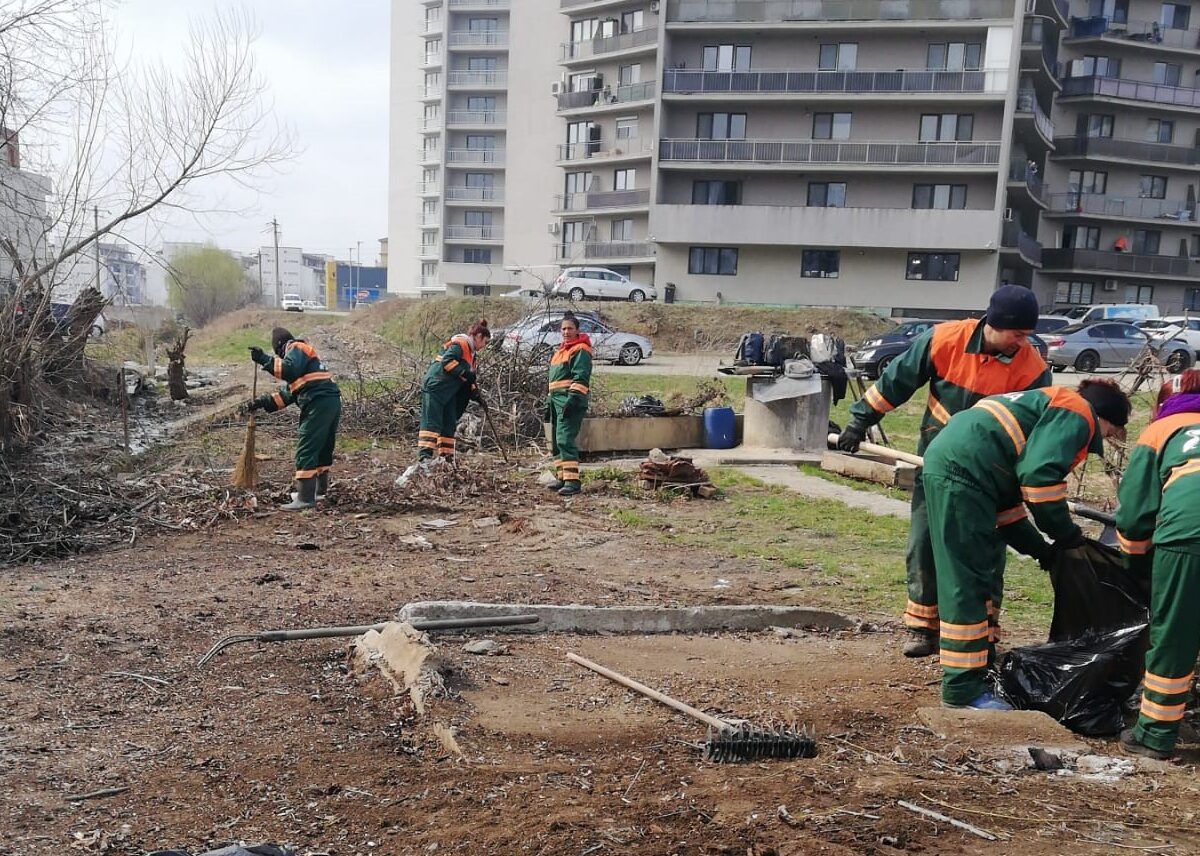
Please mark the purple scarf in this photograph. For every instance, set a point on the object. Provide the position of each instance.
(1186, 402)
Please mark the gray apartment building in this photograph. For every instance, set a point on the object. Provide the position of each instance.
(901, 155)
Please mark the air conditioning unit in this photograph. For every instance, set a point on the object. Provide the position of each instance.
(552, 227)
(556, 88)
(654, 6)
(1110, 285)
(1008, 215)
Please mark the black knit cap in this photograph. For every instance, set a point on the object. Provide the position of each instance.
(280, 336)
(1107, 399)
(1013, 307)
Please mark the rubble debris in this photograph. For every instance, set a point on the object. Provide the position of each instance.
(485, 647)
(399, 652)
(669, 472)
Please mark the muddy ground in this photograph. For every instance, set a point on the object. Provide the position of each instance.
(100, 690)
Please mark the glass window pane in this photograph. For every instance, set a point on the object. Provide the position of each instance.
(958, 196)
(728, 263)
(847, 57)
(704, 126)
(741, 60)
(828, 60)
(955, 56)
(836, 197)
(974, 55)
(822, 125)
(841, 126)
(710, 58)
(935, 57)
(966, 128)
(737, 126)
(941, 196)
(725, 58)
(922, 196)
(817, 194)
(929, 128)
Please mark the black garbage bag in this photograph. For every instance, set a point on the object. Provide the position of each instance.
(1095, 657)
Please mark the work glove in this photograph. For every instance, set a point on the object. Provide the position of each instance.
(476, 395)
(1047, 558)
(468, 377)
(1074, 538)
(258, 354)
(851, 438)
(248, 407)
(575, 404)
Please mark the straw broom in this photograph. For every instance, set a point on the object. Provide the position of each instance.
(245, 473)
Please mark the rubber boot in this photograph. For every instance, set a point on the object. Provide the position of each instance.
(555, 485)
(921, 643)
(1131, 746)
(305, 495)
(322, 484)
(569, 488)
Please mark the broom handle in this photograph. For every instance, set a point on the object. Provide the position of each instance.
(630, 683)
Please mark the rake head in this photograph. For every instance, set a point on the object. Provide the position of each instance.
(746, 742)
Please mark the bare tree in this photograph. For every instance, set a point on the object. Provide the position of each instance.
(90, 144)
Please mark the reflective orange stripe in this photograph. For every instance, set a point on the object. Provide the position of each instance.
(964, 659)
(311, 377)
(277, 368)
(1161, 430)
(1168, 686)
(1134, 548)
(449, 366)
(579, 387)
(875, 400)
(965, 632)
(305, 474)
(1011, 516)
(279, 402)
(560, 384)
(304, 348)
(446, 441)
(920, 610)
(1162, 712)
(1189, 469)
(937, 411)
(424, 433)
(1047, 493)
(1007, 421)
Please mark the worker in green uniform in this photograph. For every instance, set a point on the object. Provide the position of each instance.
(449, 386)
(961, 362)
(570, 375)
(1006, 453)
(307, 382)
(1158, 526)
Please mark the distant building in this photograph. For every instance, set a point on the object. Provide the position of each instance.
(23, 219)
(383, 252)
(299, 273)
(123, 276)
(348, 285)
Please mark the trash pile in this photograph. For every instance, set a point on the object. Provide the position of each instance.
(661, 471)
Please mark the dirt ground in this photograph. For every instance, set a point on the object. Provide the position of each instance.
(100, 690)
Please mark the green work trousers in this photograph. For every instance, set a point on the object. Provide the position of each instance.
(565, 422)
(921, 613)
(962, 528)
(441, 406)
(1174, 644)
(318, 435)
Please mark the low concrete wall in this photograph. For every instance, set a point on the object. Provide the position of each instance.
(640, 433)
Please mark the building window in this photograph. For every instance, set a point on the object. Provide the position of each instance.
(1146, 241)
(1159, 130)
(624, 179)
(953, 56)
(1117, 11)
(1139, 294)
(1152, 187)
(576, 231)
(632, 21)
(621, 230)
(584, 29)
(716, 193)
(820, 264)
(1096, 66)
(587, 81)
(482, 219)
(627, 129)
(477, 290)
(1175, 16)
(713, 261)
(1167, 73)
(946, 127)
(838, 57)
(583, 139)
(477, 255)
(942, 196)
(627, 75)
(1191, 300)
(483, 25)
(1081, 237)
(485, 64)
(721, 126)
(727, 58)
(831, 126)
(481, 103)
(1094, 125)
(942, 267)
(1087, 181)
(1074, 292)
(826, 194)
(577, 182)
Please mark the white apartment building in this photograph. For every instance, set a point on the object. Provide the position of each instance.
(299, 273)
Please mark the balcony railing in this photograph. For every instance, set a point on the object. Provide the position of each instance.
(482, 156)
(482, 4)
(601, 199)
(429, 221)
(474, 233)
(1100, 260)
(1035, 32)
(432, 59)
(427, 283)
(1123, 206)
(1144, 32)
(603, 250)
(779, 11)
(431, 123)
(599, 97)
(434, 26)
(1082, 146)
(478, 39)
(854, 82)
(477, 78)
(460, 193)
(428, 188)
(427, 250)
(433, 155)
(1134, 90)
(821, 151)
(475, 117)
(429, 90)
(609, 44)
(620, 147)
(1020, 170)
(1014, 237)
(1027, 103)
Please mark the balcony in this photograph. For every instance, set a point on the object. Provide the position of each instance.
(588, 6)
(1025, 177)
(1014, 238)
(644, 39)
(478, 4)
(429, 188)
(1129, 264)
(793, 11)
(894, 228)
(1029, 108)
(427, 251)
(477, 79)
(1058, 9)
(607, 97)
(429, 221)
(603, 251)
(1039, 44)
(476, 157)
(432, 60)
(1158, 94)
(835, 83)
(1149, 34)
(622, 148)
(1108, 148)
(430, 156)
(495, 39)
(429, 124)
(429, 92)
(1123, 207)
(475, 234)
(430, 27)
(601, 200)
(475, 195)
(771, 153)
(474, 118)
(428, 283)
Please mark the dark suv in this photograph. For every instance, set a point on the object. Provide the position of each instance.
(874, 354)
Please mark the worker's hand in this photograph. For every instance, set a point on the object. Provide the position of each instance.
(1047, 558)
(248, 407)
(257, 354)
(476, 395)
(1071, 540)
(468, 377)
(850, 438)
(1138, 566)
(575, 404)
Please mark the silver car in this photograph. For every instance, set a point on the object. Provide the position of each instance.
(1108, 344)
(541, 334)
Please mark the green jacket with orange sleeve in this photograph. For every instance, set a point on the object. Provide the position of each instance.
(570, 373)
(453, 368)
(305, 378)
(1159, 494)
(950, 359)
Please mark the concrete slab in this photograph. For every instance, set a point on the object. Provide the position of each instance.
(999, 729)
(749, 456)
(815, 487)
(574, 618)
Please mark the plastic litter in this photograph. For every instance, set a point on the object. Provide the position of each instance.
(234, 850)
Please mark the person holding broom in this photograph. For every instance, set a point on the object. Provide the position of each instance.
(307, 382)
(570, 374)
(448, 388)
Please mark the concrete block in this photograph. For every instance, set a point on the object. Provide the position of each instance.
(638, 433)
(999, 729)
(789, 423)
(869, 468)
(636, 620)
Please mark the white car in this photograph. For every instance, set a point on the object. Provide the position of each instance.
(541, 334)
(530, 294)
(292, 303)
(311, 304)
(597, 283)
(1177, 327)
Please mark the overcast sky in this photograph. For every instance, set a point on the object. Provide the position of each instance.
(327, 66)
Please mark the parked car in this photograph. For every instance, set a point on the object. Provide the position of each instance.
(1110, 344)
(1050, 323)
(1178, 327)
(530, 294)
(540, 333)
(310, 304)
(291, 303)
(1130, 312)
(597, 283)
(874, 355)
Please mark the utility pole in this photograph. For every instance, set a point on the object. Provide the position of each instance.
(96, 248)
(358, 270)
(278, 281)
